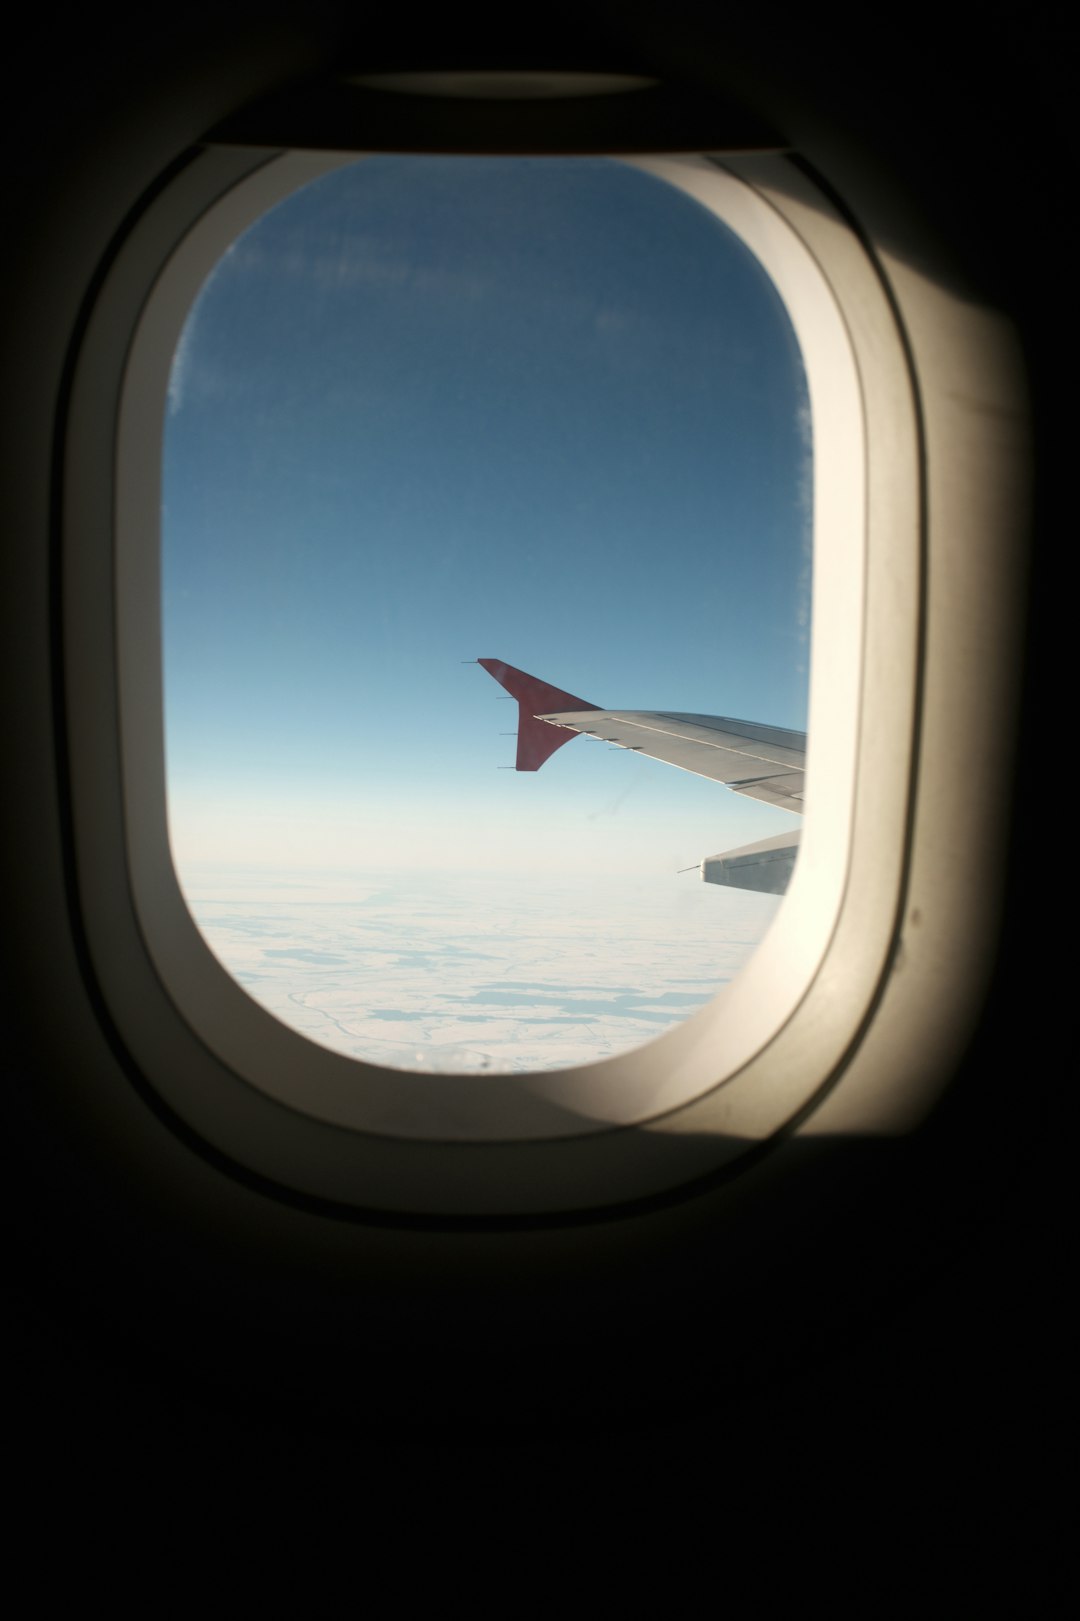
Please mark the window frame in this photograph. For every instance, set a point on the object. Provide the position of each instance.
(246, 1083)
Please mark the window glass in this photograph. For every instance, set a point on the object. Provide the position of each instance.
(550, 411)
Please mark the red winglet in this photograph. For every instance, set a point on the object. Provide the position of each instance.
(537, 739)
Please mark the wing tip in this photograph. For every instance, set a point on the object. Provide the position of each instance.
(537, 739)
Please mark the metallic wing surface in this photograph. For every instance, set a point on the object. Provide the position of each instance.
(762, 762)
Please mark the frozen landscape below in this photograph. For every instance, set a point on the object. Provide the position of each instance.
(468, 973)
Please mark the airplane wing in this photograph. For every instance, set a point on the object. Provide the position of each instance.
(762, 762)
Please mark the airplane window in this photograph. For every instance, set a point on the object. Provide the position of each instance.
(550, 414)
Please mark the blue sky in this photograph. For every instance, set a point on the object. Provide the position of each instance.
(429, 409)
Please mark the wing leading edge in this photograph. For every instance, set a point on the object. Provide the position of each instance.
(763, 762)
